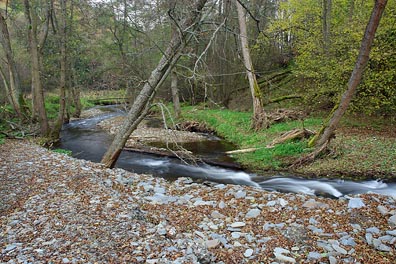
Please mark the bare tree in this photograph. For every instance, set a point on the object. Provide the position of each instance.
(326, 24)
(186, 29)
(35, 46)
(259, 118)
(62, 33)
(13, 87)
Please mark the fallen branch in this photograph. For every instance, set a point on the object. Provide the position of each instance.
(239, 151)
(291, 135)
(171, 154)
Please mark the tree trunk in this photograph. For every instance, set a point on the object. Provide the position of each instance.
(14, 88)
(356, 75)
(259, 119)
(175, 94)
(37, 88)
(63, 65)
(158, 75)
(326, 24)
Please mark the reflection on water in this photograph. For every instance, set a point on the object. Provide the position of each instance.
(87, 141)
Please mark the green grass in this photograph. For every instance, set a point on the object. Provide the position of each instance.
(63, 151)
(235, 127)
(358, 151)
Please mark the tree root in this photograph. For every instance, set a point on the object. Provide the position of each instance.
(311, 157)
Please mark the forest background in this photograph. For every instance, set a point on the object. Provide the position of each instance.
(303, 53)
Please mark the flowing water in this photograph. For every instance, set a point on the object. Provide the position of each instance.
(87, 141)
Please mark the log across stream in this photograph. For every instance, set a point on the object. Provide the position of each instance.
(87, 141)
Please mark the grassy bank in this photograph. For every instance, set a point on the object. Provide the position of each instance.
(358, 151)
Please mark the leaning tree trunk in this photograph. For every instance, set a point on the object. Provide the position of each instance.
(356, 76)
(158, 75)
(259, 119)
(14, 89)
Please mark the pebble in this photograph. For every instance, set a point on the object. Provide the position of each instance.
(238, 224)
(248, 253)
(382, 209)
(314, 256)
(236, 235)
(373, 230)
(356, 203)
(392, 220)
(391, 232)
(369, 238)
(339, 249)
(217, 215)
(378, 245)
(282, 202)
(240, 194)
(313, 204)
(212, 243)
(332, 260)
(253, 213)
(279, 255)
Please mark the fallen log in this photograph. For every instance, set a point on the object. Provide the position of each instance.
(290, 135)
(239, 151)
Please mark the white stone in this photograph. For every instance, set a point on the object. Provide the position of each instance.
(212, 243)
(253, 213)
(392, 220)
(248, 253)
(356, 203)
(238, 224)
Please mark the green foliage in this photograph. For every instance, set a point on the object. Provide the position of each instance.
(52, 106)
(323, 74)
(63, 151)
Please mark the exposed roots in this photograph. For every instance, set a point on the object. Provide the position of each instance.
(311, 157)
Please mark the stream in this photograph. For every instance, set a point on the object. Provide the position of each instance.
(87, 141)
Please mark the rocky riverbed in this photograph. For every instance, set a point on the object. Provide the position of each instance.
(57, 209)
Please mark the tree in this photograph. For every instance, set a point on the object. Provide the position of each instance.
(35, 46)
(327, 131)
(13, 87)
(62, 33)
(175, 94)
(326, 24)
(140, 107)
(259, 119)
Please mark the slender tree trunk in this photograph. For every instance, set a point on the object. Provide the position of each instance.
(63, 65)
(175, 94)
(37, 88)
(326, 24)
(14, 88)
(357, 73)
(259, 119)
(158, 75)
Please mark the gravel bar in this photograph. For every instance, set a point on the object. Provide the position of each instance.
(57, 209)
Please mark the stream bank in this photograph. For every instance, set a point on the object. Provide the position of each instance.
(59, 209)
(87, 140)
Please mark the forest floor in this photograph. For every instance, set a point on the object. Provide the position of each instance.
(58, 209)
